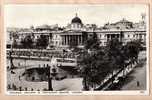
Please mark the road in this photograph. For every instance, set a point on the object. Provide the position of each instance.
(138, 74)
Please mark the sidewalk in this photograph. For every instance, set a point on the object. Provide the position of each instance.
(69, 84)
(139, 74)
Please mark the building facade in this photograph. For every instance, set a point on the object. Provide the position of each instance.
(76, 33)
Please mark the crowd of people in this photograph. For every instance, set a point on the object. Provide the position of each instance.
(41, 53)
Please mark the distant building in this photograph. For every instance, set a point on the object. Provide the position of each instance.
(122, 24)
(76, 33)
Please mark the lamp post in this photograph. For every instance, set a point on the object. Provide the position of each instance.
(49, 79)
(52, 73)
(50, 84)
(10, 55)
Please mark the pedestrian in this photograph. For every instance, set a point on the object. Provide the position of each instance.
(138, 84)
(19, 64)
(14, 86)
(19, 77)
(20, 88)
(47, 65)
(8, 86)
(7, 67)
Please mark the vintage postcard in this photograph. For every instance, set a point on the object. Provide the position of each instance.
(77, 49)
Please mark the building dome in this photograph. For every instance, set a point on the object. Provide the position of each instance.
(76, 20)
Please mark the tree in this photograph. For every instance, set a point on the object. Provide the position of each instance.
(27, 42)
(132, 50)
(94, 68)
(94, 64)
(14, 36)
(15, 45)
(114, 51)
(92, 43)
(42, 42)
(115, 55)
(72, 44)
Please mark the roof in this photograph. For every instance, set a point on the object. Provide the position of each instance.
(44, 26)
(76, 20)
(123, 21)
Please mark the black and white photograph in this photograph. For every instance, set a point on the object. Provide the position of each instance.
(77, 49)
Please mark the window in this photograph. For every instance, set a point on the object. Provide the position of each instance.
(140, 36)
(133, 35)
(73, 25)
(105, 43)
(79, 26)
(37, 37)
(90, 35)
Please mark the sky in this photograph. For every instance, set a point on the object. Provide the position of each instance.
(39, 14)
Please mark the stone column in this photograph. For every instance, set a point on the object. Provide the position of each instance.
(81, 40)
(68, 39)
(74, 39)
(71, 39)
(118, 37)
(65, 40)
(78, 40)
(62, 40)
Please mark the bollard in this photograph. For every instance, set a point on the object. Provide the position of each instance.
(138, 84)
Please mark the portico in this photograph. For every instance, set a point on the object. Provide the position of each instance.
(74, 39)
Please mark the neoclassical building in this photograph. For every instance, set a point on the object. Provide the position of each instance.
(76, 33)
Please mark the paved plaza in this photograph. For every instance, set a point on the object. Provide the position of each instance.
(73, 84)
